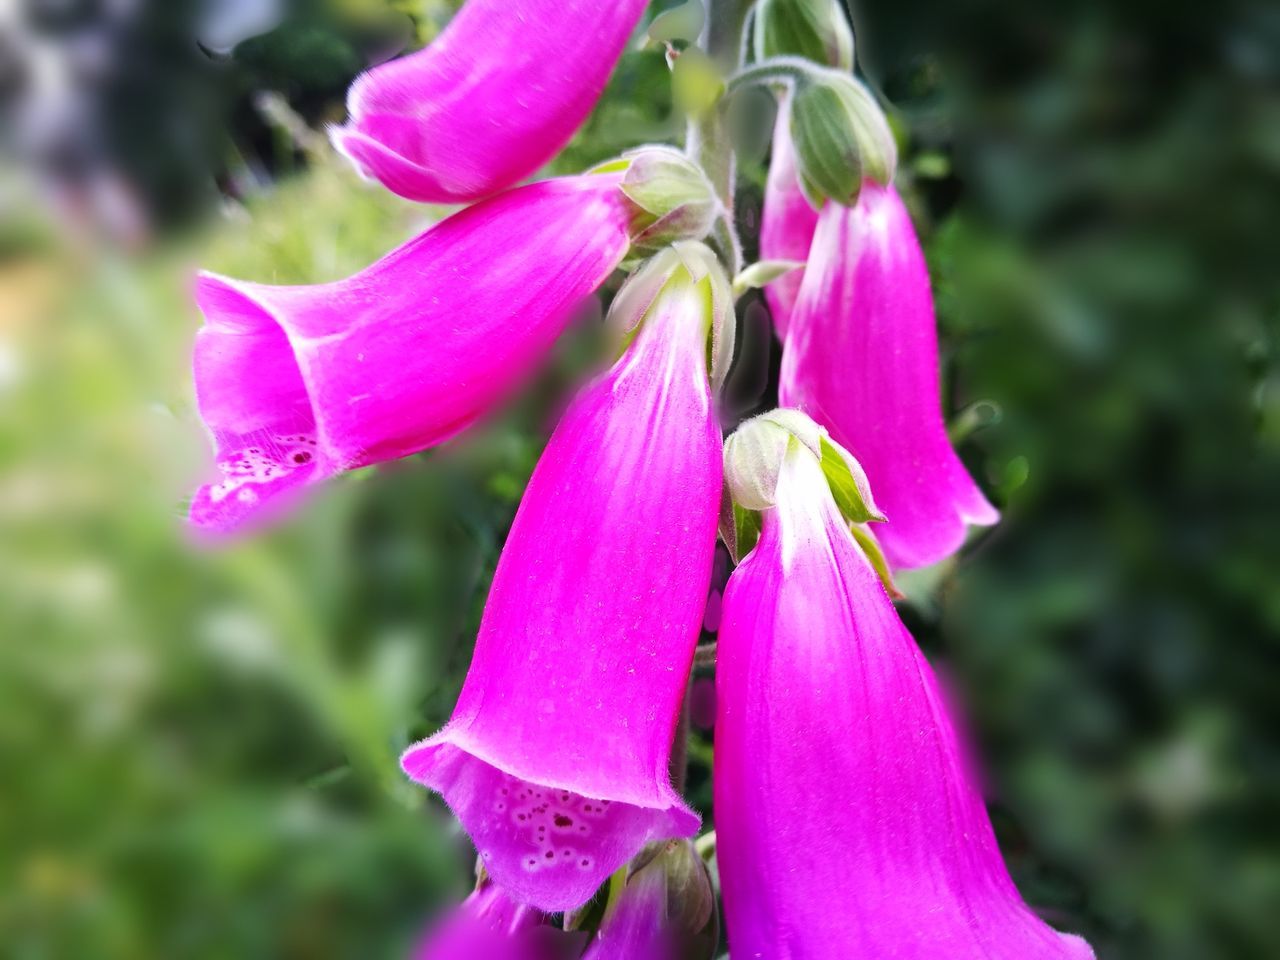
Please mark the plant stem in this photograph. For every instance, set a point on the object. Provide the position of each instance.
(775, 70)
(708, 138)
(725, 20)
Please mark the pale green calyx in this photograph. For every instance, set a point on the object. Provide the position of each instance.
(683, 262)
(753, 459)
(841, 137)
(814, 29)
(754, 453)
(671, 198)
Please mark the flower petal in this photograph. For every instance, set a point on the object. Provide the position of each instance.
(490, 101)
(861, 358)
(848, 825)
(787, 221)
(556, 759)
(401, 356)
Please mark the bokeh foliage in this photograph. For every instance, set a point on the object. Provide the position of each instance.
(198, 746)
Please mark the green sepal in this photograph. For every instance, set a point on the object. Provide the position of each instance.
(746, 532)
(814, 29)
(849, 486)
(841, 137)
(683, 264)
(753, 460)
(871, 549)
(829, 161)
(670, 196)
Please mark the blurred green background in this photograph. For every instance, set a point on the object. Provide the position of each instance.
(198, 747)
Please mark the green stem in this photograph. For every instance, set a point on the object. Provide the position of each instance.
(725, 22)
(786, 70)
(708, 138)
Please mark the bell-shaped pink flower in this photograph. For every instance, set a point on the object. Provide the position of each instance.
(298, 383)
(556, 759)
(489, 925)
(490, 101)
(848, 825)
(861, 358)
(787, 221)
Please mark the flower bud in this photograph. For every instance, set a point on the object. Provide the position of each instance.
(665, 911)
(841, 137)
(670, 197)
(814, 29)
(682, 262)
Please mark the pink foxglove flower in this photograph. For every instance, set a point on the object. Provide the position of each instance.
(861, 358)
(490, 101)
(665, 911)
(556, 759)
(489, 925)
(787, 222)
(848, 825)
(298, 383)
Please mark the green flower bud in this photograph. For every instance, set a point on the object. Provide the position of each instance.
(814, 29)
(667, 902)
(841, 137)
(671, 198)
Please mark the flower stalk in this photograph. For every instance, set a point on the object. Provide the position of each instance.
(850, 824)
(708, 136)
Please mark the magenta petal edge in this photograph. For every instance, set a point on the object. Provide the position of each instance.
(491, 100)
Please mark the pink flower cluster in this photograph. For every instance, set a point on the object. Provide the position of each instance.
(848, 825)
